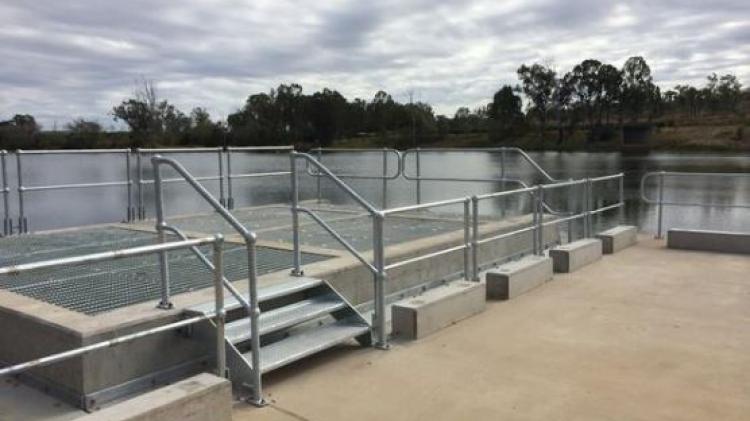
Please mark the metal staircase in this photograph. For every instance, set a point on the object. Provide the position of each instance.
(299, 317)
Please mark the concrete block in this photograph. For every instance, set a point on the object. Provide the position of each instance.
(718, 241)
(203, 397)
(618, 238)
(437, 308)
(572, 256)
(513, 279)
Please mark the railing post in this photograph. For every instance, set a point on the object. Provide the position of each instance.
(165, 302)
(252, 278)
(590, 206)
(467, 239)
(534, 221)
(297, 254)
(502, 183)
(319, 178)
(660, 206)
(385, 180)
(621, 186)
(222, 198)
(540, 220)
(419, 181)
(7, 223)
(129, 180)
(22, 221)
(218, 257)
(381, 337)
(230, 193)
(139, 175)
(475, 238)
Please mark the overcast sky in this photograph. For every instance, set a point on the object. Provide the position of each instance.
(67, 59)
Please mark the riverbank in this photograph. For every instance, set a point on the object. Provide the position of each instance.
(661, 137)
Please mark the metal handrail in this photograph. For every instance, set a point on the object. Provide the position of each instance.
(378, 262)
(140, 181)
(502, 150)
(7, 222)
(218, 315)
(23, 224)
(250, 243)
(660, 202)
(231, 176)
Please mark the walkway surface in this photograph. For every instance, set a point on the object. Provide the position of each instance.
(645, 334)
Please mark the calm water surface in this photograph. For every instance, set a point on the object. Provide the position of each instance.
(55, 209)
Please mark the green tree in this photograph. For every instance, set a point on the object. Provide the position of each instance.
(504, 113)
(637, 86)
(83, 134)
(538, 83)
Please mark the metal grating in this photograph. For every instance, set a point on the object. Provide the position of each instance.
(105, 286)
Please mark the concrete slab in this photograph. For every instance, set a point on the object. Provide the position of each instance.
(514, 278)
(437, 308)
(618, 238)
(639, 336)
(572, 256)
(718, 241)
(203, 397)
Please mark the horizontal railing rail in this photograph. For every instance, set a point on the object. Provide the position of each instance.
(231, 176)
(660, 202)
(218, 315)
(24, 189)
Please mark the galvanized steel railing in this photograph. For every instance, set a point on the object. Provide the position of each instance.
(252, 305)
(249, 149)
(660, 202)
(7, 222)
(218, 315)
(23, 224)
(385, 176)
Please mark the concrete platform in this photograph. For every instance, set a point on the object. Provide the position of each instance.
(573, 256)
(618, 238)
(420, 316)
(38, 327)
(639, 336)
(515, 278)
(716, 241)
(204, 397)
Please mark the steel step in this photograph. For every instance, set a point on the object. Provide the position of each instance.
(300, 345)
(264, 294)
(280, 318)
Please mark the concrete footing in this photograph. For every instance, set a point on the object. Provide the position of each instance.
(718, 241)
(618, 238)
(437, 308)
(513, 279)
(203, 397)
(572, 256)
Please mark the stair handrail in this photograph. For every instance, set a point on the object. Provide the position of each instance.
(377, 267)
(250, 239)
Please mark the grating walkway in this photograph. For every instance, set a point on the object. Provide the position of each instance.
(100, 287)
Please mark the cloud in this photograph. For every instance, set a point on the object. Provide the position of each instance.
(78, 58)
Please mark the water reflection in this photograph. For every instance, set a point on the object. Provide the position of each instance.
(54, 209)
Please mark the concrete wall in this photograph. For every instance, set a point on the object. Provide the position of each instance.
(718, 241)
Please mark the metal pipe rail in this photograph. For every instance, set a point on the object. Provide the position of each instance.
(23, 224)
(660, 202)
(140, 152)
(384, 152)
(378, 264)
(250, 243)
(7, 222)
(218, 315)
(250, 149)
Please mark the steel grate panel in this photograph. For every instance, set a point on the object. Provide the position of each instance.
(104, 286)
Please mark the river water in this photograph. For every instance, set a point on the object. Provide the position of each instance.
(72, 207)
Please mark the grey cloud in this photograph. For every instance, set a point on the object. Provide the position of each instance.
(76, 58)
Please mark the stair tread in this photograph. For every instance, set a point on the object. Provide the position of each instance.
(297, 284)
(300, 345)
(239, 330)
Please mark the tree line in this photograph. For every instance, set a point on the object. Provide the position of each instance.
(593, 96)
